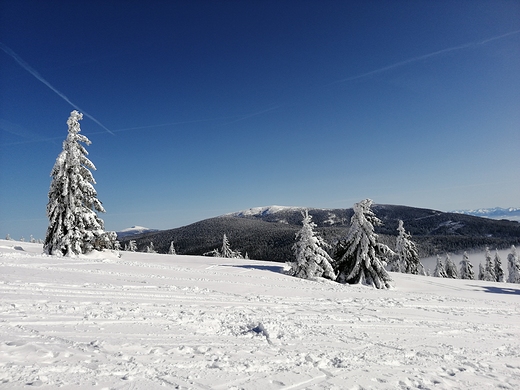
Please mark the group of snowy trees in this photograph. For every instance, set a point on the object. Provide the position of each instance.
(359, 258)
(491, 271)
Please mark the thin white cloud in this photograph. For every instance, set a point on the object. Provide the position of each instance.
(424, 57)
(29, 69)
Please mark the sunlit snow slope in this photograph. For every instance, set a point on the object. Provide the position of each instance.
(150, 321)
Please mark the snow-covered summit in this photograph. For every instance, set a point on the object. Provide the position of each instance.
(266, 210)
(511, 213)
(134, 230)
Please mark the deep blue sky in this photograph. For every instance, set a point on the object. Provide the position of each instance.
(207, 107)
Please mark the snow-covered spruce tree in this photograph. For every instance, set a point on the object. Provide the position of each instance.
(74, 226)
(513, 266)
(440, 271)
(309, 249)
(466, 268)
(360, 257)
(451, 269)
(408, 257)
(226, 251)
(171, 250)
(481, 272)
(132, 246)
(150, 248)
(499, 272)
(489, 268)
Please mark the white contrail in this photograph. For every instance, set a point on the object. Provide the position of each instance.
(29, 69)
(425, 56)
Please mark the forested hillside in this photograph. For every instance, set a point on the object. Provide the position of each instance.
(268, 233)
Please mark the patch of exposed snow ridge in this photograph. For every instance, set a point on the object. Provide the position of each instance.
(267, 210)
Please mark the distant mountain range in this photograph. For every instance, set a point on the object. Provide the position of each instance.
(267, 233)
(511, 213)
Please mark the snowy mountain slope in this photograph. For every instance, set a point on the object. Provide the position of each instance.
(511, 213)
(267, 233)
(150, 321)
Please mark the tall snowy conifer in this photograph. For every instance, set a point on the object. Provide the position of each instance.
(466, 268)
(408, 257)
(513, 266)
(489, 268)
(440, 271)
(171, 250)
(499, 272)
(74, 226)
(361, 257)
(451, 269)
(311, 258)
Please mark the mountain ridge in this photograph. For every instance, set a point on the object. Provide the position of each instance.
(267, 233)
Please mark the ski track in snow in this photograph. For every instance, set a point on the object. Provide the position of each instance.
(158, 321)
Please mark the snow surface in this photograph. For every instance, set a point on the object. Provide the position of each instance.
(158, 321)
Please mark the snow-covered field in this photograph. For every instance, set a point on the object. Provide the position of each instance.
(146, 321)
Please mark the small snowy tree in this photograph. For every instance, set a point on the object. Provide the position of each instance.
(481, 272)
(311, 258)
(225, 251)
(132, 246)
(513, 266)
(74, 226)
(440, 271)
(499, 272)
(466, 268)
(451, 269)
(361, 258)
(489, 268)
(150, 248)
(171, 250)
(8, 237)
(407, 255)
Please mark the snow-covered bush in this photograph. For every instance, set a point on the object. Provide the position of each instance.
(361, 258)
(309, 249)
(74, 226)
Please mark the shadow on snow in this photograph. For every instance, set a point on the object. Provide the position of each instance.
(499, 290)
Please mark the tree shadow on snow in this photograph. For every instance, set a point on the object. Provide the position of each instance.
(273, 268)
(499, 290)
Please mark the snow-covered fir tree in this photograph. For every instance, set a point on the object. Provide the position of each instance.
(513, 266)
(8, 237)
(171, 250)
(150, 248)
(499, 272)
(451, 269)
(466, 268)
(360, 257)
(489, 268)
(74, 226)
(312, 260)
(225, 251)
(131, 247)
(407, 255)
(481, 272)
(439, 271)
